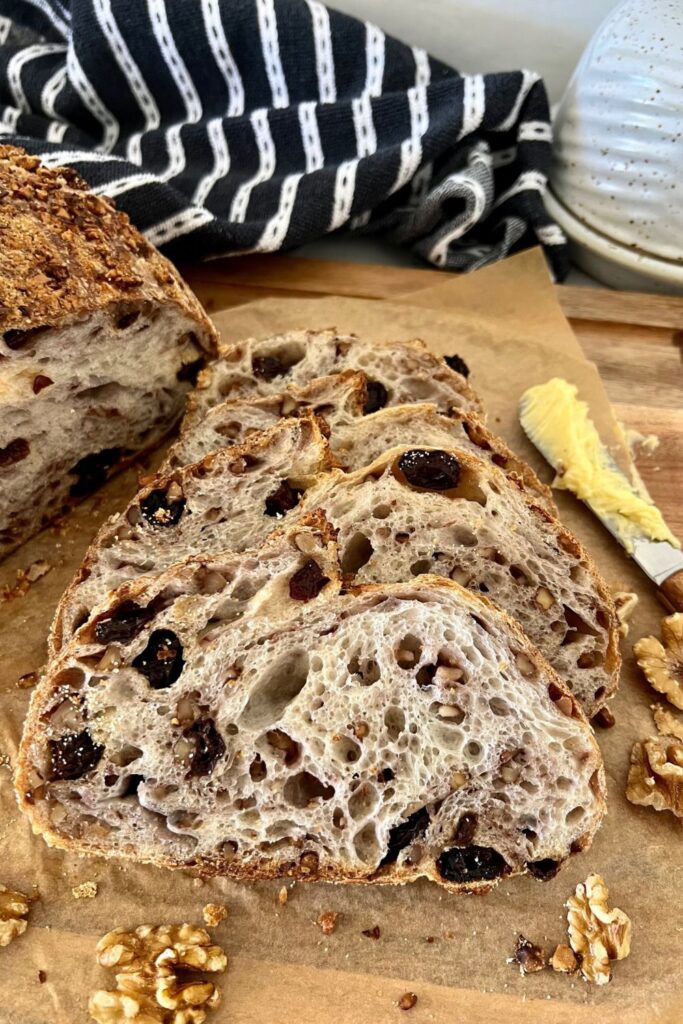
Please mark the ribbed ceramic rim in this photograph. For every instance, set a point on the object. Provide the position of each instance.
(631, 259)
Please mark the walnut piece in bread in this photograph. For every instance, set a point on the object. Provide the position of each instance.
(100, 340)
(223, 732)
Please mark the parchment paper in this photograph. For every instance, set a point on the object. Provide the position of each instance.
(282, 969)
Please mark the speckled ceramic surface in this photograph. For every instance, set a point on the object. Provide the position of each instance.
(618, 157)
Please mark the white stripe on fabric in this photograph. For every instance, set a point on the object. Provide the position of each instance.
(278, 226)
(439, 252)
(267, 22)
(56, 131)
(324, 56)
(266, 168)
(411, 149)
(5, 26)
(51, 91)
(528, 79)
(16, 64)
(534, 131)
(423, 70)
(366, 138)
(177, 225)
(344, 190)
(221, 161)
(213, 24)
(473, 104)
(82, 85)
(76, 156)
(528, 181)
(310, 137)
(551, 234)
(174, 62)
(8, 120)
(120, 185)
(138, 86)
(58, 22)
(374, 57)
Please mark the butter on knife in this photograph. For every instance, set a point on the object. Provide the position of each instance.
(557, 421)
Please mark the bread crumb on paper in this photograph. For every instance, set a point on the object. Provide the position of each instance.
(85, 891)
(372, 933)
(213, 914)
(328, 921)
(283, 896)
(407, 1001)
(529, 957)
(564, 960)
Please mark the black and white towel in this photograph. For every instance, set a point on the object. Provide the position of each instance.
(236, 126)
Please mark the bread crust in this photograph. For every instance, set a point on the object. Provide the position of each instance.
(77, 252)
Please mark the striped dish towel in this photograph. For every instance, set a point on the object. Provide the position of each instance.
(238, 126)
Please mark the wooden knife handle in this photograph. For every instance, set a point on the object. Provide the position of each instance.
(671, 592)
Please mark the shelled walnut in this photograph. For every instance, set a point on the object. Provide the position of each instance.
(655, 778)
(597, 934)
(662, 663)
(14, 907)
(149, 962)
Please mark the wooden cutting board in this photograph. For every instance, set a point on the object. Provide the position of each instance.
(636, 341)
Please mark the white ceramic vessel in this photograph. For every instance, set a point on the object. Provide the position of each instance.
(617, 176)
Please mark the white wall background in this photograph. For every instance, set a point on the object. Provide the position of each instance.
(547, 36)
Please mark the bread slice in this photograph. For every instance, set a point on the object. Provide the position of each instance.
(100, 340)
(231, 500)
(450, 513)
(355, 438)
(397, 371)
(339, 399)
(239, 715)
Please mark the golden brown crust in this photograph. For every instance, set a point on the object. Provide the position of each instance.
(67, 252)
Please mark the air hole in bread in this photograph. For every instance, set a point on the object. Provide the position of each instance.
(575, 815)
(125, 756)
(71, 678)
(357, 553)
(465, 537)
(299, 790)
(228, 850)
(395, 721)
(519, 576)
(473, 751)
(230, 430)
(345, 750)
(366, 845)
(381, 511)
(600, 692)
(276, 690)
(499, 707)
(408, 652)
(590, 659)
(287, 749)
(338, 819)
(365, 669)
(448, 714)
(578, 627)
(363, 802)
(423, 565)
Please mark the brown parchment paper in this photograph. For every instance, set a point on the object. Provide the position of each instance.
(282, 969)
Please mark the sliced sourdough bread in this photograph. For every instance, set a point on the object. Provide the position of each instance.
(450, 513)
(397, 371)
(240, 715)
(338, 398)
(100, 340)
(231, 500)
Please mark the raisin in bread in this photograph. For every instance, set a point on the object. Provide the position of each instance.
(99, 342)
(231, 500)
(240, 715)
(397, 371)
(449, 513)
(339, 399)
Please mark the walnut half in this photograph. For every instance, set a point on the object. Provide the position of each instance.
(148, 988)
(662, 663)
(655, 778)
(597, 934)
(14, 908)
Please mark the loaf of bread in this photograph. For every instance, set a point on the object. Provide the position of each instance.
(231, 500)
(99, 342)
(338, 398)
(450, 513)
(397, 371)
(240, 715)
